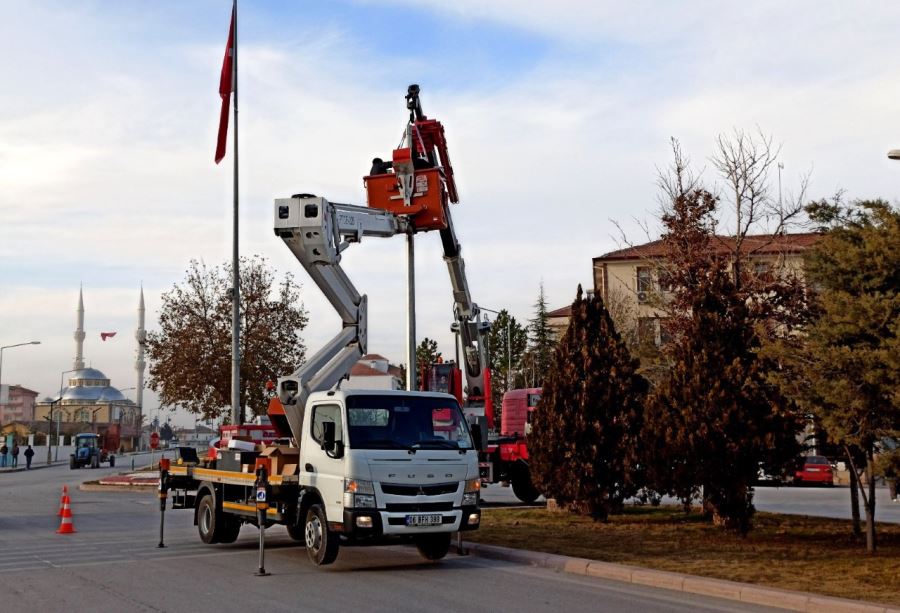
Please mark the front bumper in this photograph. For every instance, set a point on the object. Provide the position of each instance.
(384, 523)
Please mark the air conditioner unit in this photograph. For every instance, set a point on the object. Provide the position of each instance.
(642, 296)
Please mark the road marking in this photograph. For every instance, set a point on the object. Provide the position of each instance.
(45, 561)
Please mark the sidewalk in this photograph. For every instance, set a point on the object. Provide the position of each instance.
(36, 465)
(728, 590)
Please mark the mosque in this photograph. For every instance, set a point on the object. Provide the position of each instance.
(88, 403)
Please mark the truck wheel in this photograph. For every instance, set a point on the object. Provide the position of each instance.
(72, 464)
(295, 531)
(433, 546)
(321, 544)
(112, 461)
(522, 486)
(229, 528)
(207, 520)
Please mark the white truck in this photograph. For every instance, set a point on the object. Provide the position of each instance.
(359, 466)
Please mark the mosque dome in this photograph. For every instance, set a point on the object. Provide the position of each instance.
(89, 385)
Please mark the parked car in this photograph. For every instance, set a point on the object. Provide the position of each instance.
(817, 470)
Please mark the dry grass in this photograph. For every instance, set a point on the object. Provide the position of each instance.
(785, 551)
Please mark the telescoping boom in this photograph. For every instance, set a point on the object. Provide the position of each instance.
(410, 194)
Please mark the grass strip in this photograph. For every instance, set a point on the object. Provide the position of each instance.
(809, 554)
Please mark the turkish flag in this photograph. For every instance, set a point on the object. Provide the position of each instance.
(106, 335)
(226, 86)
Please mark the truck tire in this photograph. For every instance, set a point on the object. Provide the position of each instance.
(522, 486)
(321, 544)
(72, 463)
(207, 520)
(295, 531)
(112, 461)
(229, 528)
(433, 546)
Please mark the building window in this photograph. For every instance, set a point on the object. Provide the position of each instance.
(664, 336)
(652, 331)
(598, 279)
(762, 269)
(647, 330)
(644, 279)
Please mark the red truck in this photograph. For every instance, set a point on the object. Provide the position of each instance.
(504, 455)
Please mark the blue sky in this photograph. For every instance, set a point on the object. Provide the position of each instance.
(558, 116)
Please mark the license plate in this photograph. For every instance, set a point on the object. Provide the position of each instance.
(432, 519)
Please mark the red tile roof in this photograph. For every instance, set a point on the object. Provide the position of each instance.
(364, 370)
(565, 311)
(373, 356)
(758, 244)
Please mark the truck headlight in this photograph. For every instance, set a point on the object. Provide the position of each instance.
(359, 494)
(359, 486)
(470, 497)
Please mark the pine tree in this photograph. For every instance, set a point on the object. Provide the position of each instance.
(507, 341)
(585, 430)
(845, 368)
(542, 341)
(426, 354)
(714, 419)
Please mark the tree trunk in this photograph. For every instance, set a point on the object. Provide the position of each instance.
(854, 502)
(870, 502)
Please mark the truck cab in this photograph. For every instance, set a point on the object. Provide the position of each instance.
(388, 464)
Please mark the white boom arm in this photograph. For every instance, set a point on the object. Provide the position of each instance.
(317, 231)
(467, 314)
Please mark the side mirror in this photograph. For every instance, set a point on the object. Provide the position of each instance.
(330, 444)
(479, 429)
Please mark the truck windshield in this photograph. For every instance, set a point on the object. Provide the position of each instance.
(406, 422)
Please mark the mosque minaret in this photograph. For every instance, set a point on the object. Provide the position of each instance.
(79, 333)
(140, 336)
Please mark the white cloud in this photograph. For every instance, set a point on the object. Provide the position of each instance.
(110, 179)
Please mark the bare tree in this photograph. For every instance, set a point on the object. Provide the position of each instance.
(745, 161)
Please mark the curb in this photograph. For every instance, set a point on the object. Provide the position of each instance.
(692, 584)
(93, 486)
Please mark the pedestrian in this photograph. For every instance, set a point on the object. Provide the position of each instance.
(29, 453)
(15, 455)
(3, 451)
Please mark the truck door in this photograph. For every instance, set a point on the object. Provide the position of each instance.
(326, 471)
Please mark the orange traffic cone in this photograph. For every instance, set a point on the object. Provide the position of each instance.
(62, 500)
(66, 526)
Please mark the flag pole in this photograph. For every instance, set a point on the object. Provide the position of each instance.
(237, 413)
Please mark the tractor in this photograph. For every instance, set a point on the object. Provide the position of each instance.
(89, 452)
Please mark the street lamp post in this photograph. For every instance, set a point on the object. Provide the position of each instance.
(508, 346)
(10, 347)
(58, 416)
(1, 369)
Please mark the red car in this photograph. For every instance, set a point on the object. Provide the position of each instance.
(816, 470)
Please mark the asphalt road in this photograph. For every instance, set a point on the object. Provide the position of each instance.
(814, 501)
(112, 563)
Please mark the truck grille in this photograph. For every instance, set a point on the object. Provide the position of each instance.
(419, 490)
(418, 507)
